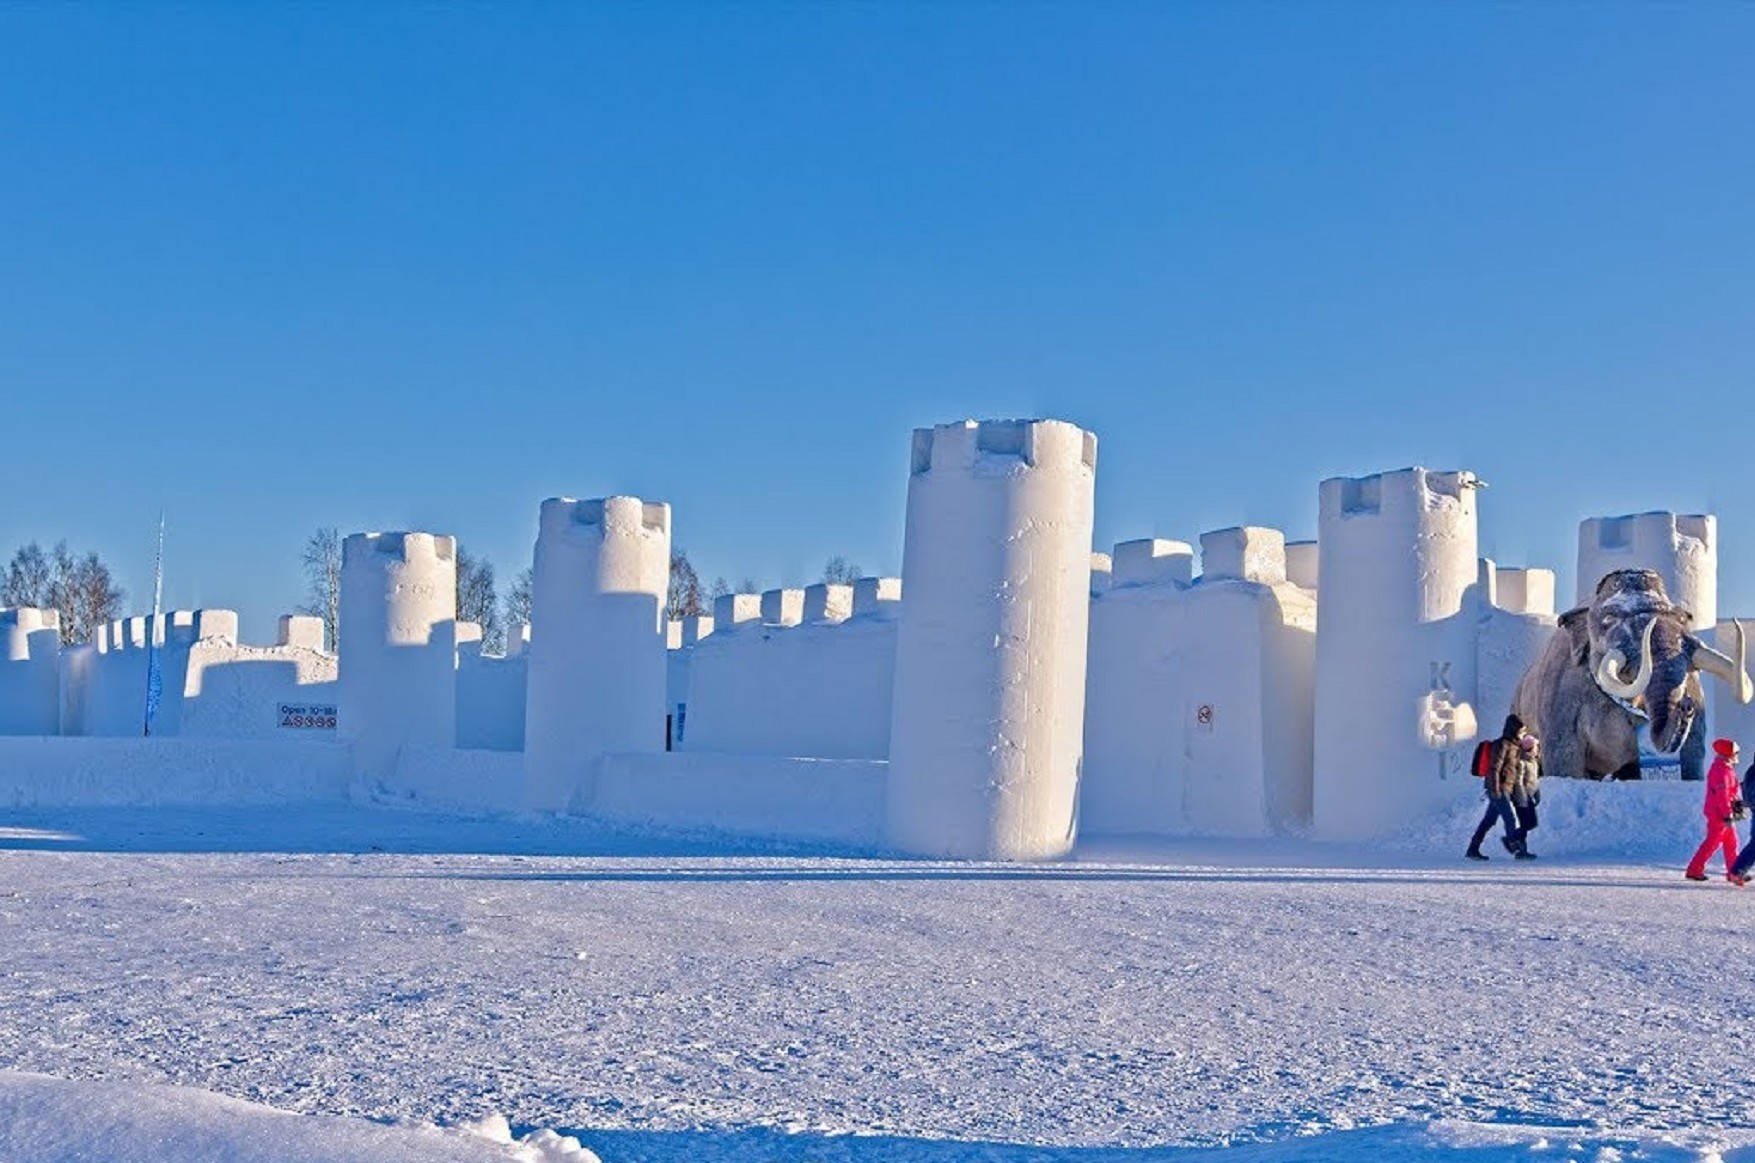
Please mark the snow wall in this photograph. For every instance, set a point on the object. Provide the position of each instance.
(1682, 548)
(398, 657)
(138, 772)
(1198, 711)
(819, 689)
(987, 730)
(1397, 634)
(30, 671)
(490, 699)
(1516, 619)
(599, 581)
(833, 801)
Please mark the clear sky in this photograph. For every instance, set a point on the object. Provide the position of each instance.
(273, 267)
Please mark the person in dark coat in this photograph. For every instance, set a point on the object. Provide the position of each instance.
(1526, 794)
(1746, 858)
(1502, 779)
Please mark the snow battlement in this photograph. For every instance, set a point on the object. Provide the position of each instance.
(1244, 553)
(879, 597)
(782, 607)
(300, 631)
(1523, 591)
(828, 602)
(733, 610)
(411, 548)
(619, 514)
(1151, 561)
(1102, 573)
(969, 446)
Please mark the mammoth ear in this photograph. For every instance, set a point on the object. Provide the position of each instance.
(1574, 623)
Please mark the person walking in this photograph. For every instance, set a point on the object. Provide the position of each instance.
(1500, 779)
(1719, 808)
(1746, 858)
(1526, 793)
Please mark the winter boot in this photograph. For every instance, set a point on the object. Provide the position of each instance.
(1524, 853)
(1475, 853)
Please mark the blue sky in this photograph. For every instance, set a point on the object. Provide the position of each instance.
(273, 267)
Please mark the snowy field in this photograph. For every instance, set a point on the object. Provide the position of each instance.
(436, 988)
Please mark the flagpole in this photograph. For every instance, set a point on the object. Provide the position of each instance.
(155, 679)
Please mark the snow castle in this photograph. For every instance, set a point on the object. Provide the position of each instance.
(1011, 691)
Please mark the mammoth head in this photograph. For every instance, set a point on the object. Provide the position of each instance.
(1631, 623)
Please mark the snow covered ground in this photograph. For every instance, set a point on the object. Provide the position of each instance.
(172, 982)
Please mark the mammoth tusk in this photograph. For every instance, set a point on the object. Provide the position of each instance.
(1734, 672)
(1608, 672)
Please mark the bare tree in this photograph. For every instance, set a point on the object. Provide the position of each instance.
(719, 589)
(477, 602)
(518, 601)
(322, 563)
(81, 589)
(839, 571)
(749, 585)
(28, 577)
(684, 597)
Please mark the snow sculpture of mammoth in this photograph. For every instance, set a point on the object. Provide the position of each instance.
(1580, 700)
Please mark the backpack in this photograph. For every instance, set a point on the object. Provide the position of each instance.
(1482, 763)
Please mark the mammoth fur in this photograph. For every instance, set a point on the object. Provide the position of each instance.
(1627, 660)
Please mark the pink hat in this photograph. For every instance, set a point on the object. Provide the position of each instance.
(1725, 748)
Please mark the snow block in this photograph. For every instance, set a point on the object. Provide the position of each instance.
(877, 597)
(988, 709)
(1303, 564)
(1244, 553)
(825, 602)
(1524, 591)
(733, 610)
(782, 607)
(1102, 573)
(1152, 561)
(303, 631)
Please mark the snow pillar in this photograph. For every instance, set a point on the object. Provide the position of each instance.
(597, 650)
(1682, 548)
(987, 727)
(1395, 646)
(397, 670)
(30, 671)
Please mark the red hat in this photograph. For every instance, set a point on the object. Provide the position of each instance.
(1725, 748)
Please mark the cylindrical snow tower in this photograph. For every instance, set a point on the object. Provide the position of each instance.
(987, 726)
(597, 642)
(30, 671)
(1393, 639)
(398, 653)
(1681, 547)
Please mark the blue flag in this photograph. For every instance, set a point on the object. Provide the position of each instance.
(155, 679)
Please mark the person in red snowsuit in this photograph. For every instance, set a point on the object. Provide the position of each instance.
(1721, 831)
